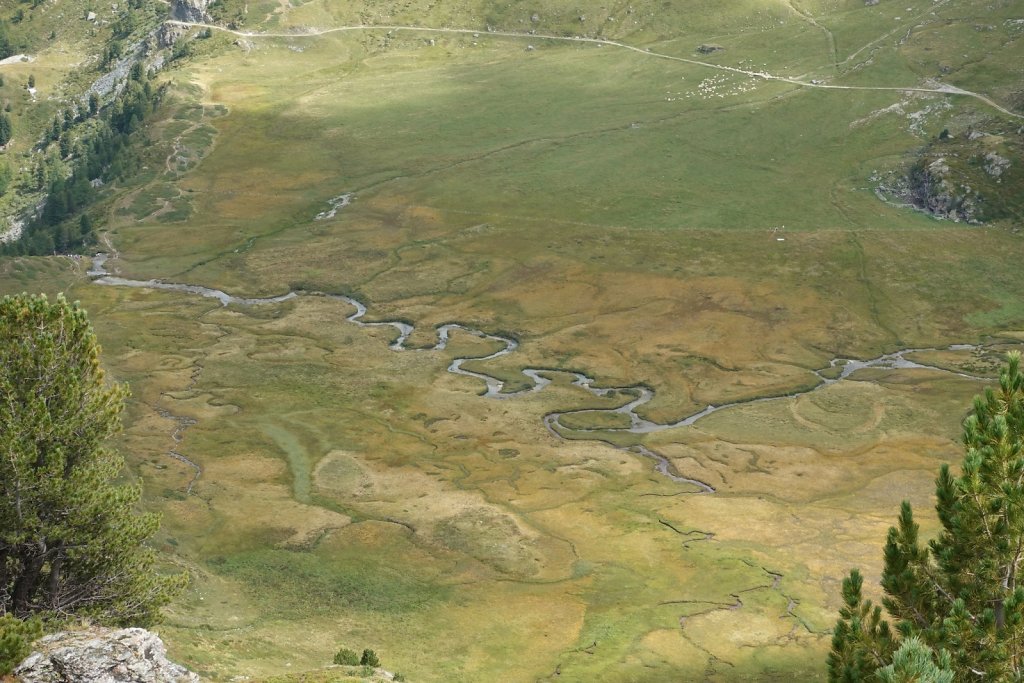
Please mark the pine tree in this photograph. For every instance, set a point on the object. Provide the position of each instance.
(960, 594)
(85, 225)
(16, 638)
(70, 541)
(915, 662)
(6, 48)
(6, 129)
(862, 641)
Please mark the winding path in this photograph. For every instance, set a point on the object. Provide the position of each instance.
(940, 88)
(540, 377)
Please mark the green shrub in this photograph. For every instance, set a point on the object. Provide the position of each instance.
(369, 658)
(347, 657)
(16, 638)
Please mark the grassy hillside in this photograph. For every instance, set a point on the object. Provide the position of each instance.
(63, 54)
(643, 216)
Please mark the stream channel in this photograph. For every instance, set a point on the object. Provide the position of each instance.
(541, 377)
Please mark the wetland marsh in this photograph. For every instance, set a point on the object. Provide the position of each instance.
(593, 422)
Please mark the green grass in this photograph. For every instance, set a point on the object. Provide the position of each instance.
(620, 215)
(305, 585)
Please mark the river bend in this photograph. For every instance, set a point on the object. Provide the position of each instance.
(541, 377)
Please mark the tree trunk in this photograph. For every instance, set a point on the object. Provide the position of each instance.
(25, 586)
(53, 582)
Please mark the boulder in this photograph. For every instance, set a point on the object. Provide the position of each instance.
(101, 655)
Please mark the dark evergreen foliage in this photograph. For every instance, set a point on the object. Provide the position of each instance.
(346, 657)
(70, 540)
(104, 154)
(6, 129)
(16, 638)
(958, 595)
(6, 45)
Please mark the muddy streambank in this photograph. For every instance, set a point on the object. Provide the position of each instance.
(541, 377)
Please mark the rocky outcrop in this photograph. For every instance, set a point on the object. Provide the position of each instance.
(168, 34)
(101, 655)
(190, 10)
(113, 80)
(996, 165)
(968, 177)
(931, 188)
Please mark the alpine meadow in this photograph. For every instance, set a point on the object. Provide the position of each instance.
(527, 341)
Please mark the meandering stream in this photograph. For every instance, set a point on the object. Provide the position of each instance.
(541, 377)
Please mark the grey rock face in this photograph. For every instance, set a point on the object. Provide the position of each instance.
(101, 655)
(168, 34)
(190, 10)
